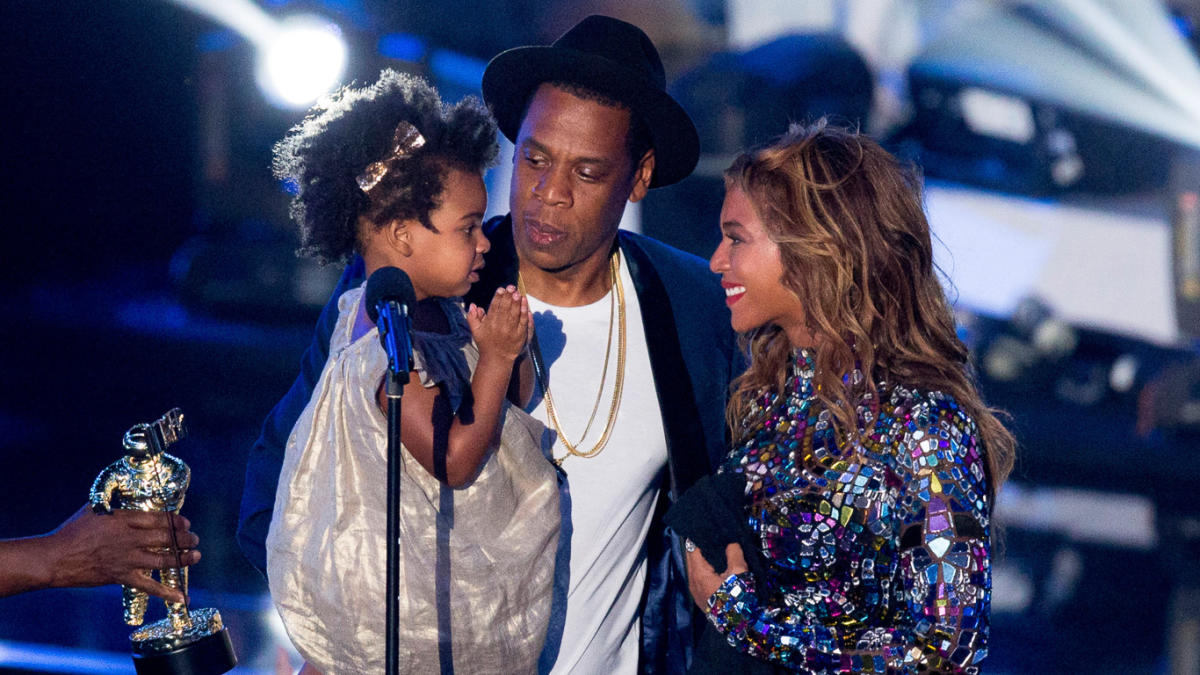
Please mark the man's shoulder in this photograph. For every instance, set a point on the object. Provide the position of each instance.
(693, 291)
(500, 262)
(493, 224)
(668, 260)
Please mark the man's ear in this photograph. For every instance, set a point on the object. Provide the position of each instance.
(641, 177)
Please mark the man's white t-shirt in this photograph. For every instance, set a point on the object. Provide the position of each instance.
(612, 495)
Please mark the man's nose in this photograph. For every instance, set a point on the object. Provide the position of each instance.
(553, 188)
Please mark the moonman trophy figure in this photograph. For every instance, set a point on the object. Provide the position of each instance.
(149, 479)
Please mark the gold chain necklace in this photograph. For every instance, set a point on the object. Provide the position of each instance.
(612, 304)
(543, 377)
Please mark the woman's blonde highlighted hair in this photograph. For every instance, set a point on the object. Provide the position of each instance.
(856, 250)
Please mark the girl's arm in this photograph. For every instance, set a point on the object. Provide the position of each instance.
(452, 447)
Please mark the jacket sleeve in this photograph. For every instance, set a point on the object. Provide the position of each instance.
(943, 574)
(266, 456)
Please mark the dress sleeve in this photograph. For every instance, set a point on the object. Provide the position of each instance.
(943, 574)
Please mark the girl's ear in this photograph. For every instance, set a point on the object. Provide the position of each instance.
(397, 235)
(388, 240)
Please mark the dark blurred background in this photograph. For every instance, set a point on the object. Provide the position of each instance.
(147, 262)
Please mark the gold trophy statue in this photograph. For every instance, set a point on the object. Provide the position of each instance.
(148, 479)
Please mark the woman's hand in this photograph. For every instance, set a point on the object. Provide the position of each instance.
(703, 580)
(505, 329)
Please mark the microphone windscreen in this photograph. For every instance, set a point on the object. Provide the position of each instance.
(388, 283)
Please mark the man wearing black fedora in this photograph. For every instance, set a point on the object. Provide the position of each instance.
(633, 351)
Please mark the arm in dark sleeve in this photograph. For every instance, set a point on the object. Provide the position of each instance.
(266, 456)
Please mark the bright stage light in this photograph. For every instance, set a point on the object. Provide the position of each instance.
(301, 61)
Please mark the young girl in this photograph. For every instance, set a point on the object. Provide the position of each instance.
(390, 173)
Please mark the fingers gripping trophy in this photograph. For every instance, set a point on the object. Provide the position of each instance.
(149, 479)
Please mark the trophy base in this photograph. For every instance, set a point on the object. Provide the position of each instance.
(204, 649)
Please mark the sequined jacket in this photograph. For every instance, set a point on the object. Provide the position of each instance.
(878, 553)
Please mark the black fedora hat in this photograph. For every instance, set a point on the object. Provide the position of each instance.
(613, 58)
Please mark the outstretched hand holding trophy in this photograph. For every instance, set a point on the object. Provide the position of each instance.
(149, 479)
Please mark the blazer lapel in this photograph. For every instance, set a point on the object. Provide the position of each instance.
(681, 420)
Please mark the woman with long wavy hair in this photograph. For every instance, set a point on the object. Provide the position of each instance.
(851, 518)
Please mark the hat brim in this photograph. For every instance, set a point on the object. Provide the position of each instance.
(513, 75)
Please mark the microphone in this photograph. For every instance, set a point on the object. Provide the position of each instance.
(389, 296)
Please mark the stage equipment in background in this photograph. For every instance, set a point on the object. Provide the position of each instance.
(1043, 97)
(1038, 353)
(741, 99)
(148, 479)
(1171, 402)
(1185, 247)
(1113, 416)
(1032, 347)
(746, 98)
(261, 280)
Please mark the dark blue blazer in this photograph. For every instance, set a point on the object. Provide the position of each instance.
(693, 357)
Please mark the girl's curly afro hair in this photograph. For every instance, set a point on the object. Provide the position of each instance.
(322, 157)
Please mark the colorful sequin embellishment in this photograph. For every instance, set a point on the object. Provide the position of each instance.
(878, 553)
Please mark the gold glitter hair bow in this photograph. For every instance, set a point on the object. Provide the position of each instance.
(405, 142)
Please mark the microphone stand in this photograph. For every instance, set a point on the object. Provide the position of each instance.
(396, 337)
